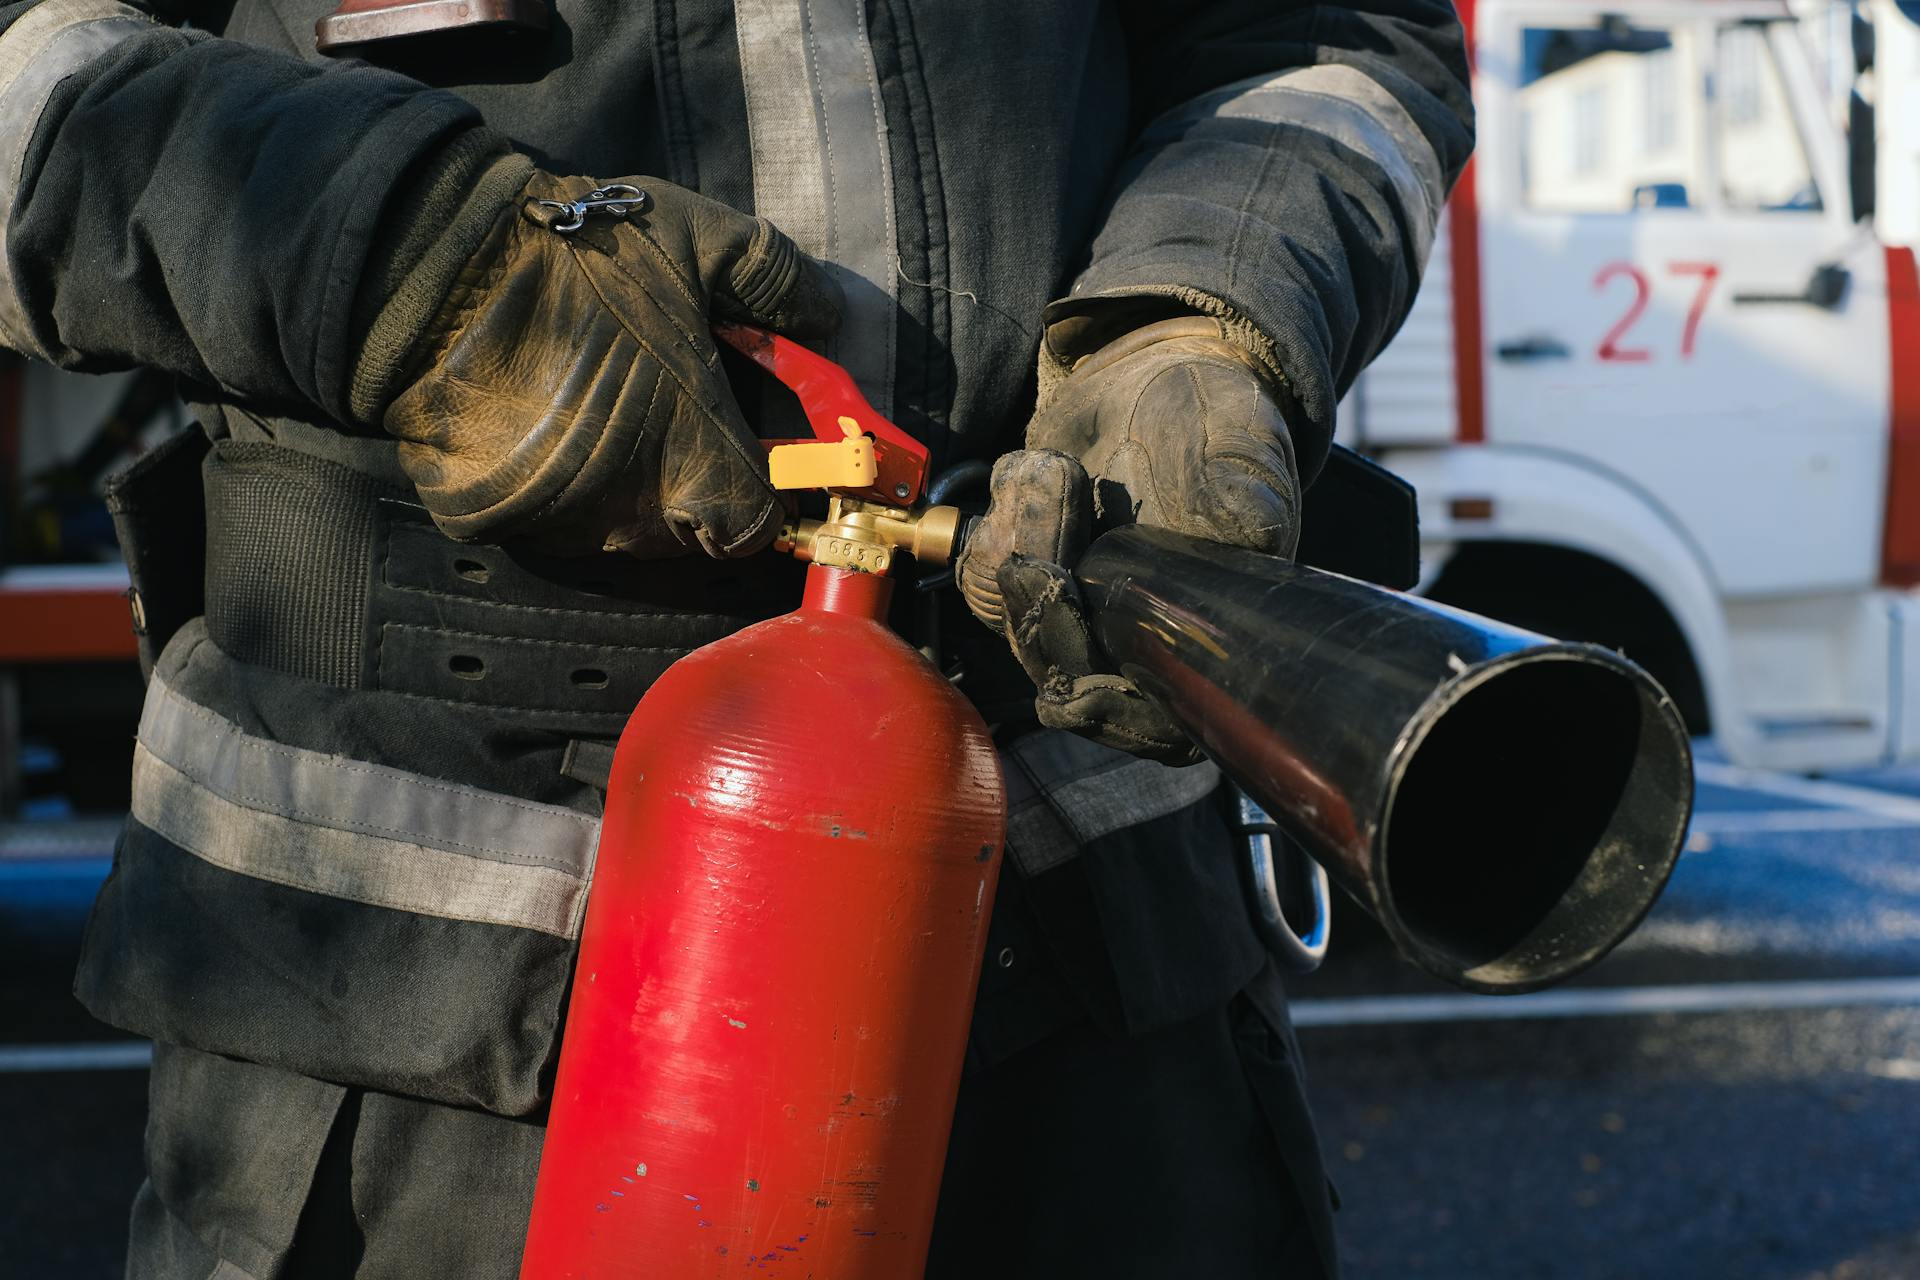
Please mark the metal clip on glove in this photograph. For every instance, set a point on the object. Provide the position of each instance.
(1172, 425)
(568, 390)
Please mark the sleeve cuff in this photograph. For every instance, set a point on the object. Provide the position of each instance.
(1080, 324)
(439, 220)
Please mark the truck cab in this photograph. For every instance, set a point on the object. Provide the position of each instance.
(1659, 390)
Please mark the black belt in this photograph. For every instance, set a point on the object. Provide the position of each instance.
(329, 574)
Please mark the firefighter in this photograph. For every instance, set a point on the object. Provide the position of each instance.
(472, 475)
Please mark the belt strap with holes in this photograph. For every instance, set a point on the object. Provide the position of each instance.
(324, 573)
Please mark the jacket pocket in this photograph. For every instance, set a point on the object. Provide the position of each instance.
(331, 914)
(160, 519)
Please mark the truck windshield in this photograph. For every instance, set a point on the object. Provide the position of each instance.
(1609, 119)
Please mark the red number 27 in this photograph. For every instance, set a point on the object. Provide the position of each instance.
(1611, 349)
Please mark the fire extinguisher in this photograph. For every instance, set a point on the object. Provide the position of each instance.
(797, 861)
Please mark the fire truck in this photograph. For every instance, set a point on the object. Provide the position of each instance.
(1661, 389)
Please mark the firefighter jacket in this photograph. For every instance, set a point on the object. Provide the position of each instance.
(365, 801)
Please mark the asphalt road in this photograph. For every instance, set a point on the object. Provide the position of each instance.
(1735, 1093)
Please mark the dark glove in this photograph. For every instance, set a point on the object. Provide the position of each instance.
(1172, 425)
(568, 390)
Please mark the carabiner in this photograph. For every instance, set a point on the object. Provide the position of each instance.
(620, 199)
(1263, 867)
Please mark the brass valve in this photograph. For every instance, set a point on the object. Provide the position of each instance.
(858, 533)
(863, 536)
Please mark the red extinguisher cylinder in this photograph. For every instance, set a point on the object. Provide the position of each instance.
(778, 963)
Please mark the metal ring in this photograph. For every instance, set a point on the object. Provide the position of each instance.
(576, 208)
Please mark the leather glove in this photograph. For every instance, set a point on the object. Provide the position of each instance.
(1171, 425)
(568, 390)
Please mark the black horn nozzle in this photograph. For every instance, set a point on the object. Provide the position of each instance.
(1508, 806)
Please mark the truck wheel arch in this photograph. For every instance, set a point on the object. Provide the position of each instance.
(1575, 595)
(1517, 531)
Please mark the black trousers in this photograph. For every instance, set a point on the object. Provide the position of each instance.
(1174, 1154)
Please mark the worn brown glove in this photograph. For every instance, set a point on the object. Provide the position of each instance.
(568, 391)
(1172, 425)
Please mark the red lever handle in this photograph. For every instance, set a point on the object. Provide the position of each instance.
(828, 393)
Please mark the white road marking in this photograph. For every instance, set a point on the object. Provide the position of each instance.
(108, 1055)
(1894, 1068)
(1606, 1002)
(1812, 790)
(75, 838)
(1745, 821)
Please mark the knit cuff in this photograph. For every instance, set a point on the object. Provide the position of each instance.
(447, 212)
(1081, 324)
